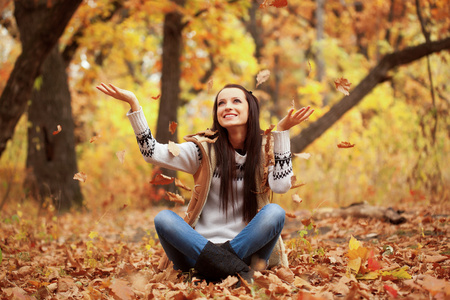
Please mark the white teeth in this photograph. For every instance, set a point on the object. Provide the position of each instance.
(229, 116)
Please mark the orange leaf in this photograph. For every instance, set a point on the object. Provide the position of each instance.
(291, 215)
(173, 127)
(80, 176)
(162, 179)
(94, 138)
(342, 85)
(175, 197)
(268, 130)
(345, 145)
(58, 130)
(173, 148)
(262, 77)
(156, 97)
(179, 184)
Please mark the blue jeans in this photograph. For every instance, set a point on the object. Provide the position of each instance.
(183, 244)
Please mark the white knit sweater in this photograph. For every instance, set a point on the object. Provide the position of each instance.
(214, 224)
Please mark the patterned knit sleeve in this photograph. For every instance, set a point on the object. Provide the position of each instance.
(280, 174)
(158, 154)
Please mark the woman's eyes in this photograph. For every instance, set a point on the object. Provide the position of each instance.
(234, 101)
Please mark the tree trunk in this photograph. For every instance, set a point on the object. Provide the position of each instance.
(376, 76)
(170, 80)
(40, 27)
(51, 159)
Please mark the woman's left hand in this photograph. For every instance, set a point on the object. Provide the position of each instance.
(292, 119)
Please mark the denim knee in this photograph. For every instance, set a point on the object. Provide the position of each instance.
(163, 220)
(275, 214)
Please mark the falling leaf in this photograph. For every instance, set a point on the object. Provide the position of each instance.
(58, 130)
(268, 130)
(291, 215)
(210, 84)
(179, 184)
(276, 3)
(175, 198)
(303, 155)
(121, 156)
(80, 176)
(342, 85)
(345, 145)
(296, 198)
(162, 179)
(156, 97)
(173, 127)
(173, 148)
(262, 77)
(390, 290)
(94, 138)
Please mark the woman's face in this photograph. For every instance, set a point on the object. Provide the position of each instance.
(232, 108)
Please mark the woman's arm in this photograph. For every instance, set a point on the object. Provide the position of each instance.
(153, 152)
(280, 174)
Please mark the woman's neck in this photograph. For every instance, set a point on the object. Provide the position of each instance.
(237, 137)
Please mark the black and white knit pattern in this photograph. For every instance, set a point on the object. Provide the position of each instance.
(146, 142)
(283, 165)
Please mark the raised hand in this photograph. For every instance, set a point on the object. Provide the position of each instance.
(292, 119)
(120, 94)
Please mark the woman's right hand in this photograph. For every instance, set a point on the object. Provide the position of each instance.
(120, 94)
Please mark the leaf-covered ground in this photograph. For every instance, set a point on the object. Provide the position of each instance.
(114, 255)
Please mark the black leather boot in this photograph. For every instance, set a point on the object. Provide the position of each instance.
(216, 263)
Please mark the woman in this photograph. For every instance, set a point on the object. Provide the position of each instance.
(230, 223)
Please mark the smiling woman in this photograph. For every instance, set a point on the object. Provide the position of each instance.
(230, 225)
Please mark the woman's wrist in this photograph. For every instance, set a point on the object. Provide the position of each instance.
(134, 104)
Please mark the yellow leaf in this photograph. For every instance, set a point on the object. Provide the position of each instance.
(355, 264)
(93, 234)
(398, 273)
(354, 243)
(369, 276)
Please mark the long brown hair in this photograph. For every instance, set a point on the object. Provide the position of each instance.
(226, 162)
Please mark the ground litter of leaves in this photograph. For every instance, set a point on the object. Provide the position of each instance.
(115, 255)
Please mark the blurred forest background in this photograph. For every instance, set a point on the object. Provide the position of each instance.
(53, 54)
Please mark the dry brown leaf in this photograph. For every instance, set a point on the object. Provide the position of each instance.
(296, 198)
(58, 130)
(173, 127)
(342, 85)
(94, 138)
(179, 184)
(286, 274)
(294, 183)
(175, 198)
(121, 290)
(173, 148)
(162, 179)
(269, 130)
(345, 145)
(208, 132)
(121, 156)
(303, 155)
(80, 176)
(291, 215)
(262, 77)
